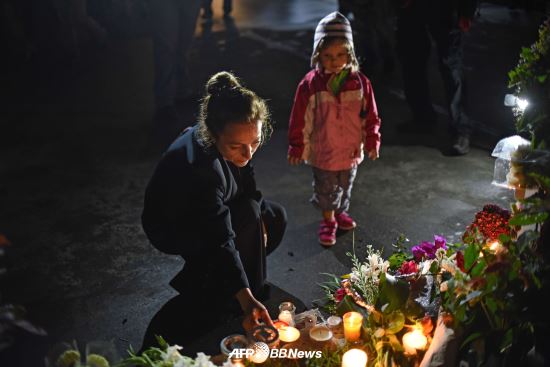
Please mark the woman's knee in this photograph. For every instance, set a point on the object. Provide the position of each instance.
(275, 220)
(245, 213)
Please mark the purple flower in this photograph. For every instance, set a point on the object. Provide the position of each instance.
(440, 242)
(426, 250)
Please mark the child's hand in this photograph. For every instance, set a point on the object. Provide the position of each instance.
(294, 161)
(373, 154)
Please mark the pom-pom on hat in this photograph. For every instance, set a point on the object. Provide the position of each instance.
(333, 25)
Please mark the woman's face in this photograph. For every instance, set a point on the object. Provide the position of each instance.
(334, 57)
(238, 142)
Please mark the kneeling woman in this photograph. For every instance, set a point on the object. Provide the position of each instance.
(202, 203)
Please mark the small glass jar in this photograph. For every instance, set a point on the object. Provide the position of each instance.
(287, 312)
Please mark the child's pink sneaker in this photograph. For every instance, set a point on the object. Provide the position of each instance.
(327, 232)
(345, 222)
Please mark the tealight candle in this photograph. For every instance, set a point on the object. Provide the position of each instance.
(414, 340)
(352, 326)
(320, 333)
(286, 317)
(354, 358)
(289, 334)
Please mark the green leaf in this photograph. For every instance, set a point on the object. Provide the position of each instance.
(507, 340)
(348, 304)
(477, 270)
(393, 291)
(396, 259)
(542, 78)
(434, 267)
(524, 219)
(394, 322)
(471, 254)
(491, 304)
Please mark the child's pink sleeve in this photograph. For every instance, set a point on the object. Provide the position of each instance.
(297, 121)
(371, 131)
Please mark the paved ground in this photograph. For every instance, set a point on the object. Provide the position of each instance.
(76, 154)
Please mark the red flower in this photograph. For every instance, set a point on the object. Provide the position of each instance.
(408, 267)
(339, 294)
(460, 261)
(491, 222)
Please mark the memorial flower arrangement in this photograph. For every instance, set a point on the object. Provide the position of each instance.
(484, 288)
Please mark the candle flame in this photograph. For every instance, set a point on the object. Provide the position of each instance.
(414, 340)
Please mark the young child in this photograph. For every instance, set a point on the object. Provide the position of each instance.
(333, 120)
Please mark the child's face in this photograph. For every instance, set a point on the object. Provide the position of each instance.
(334, 57)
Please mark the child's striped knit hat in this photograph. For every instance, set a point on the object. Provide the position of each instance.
(333, 25)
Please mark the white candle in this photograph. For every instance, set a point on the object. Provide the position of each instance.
(288, 334)
(320, 333)
(354, 358)
(286, 316)
(414, 340)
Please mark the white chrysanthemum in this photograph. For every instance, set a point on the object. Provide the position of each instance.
(172, 354)
(444, 287)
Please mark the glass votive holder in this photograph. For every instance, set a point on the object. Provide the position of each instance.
(231, 342)
(287, 312)
(352, 326)
(334, 322)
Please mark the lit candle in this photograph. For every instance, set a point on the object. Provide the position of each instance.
(320, 333)
(414, 340)
(494, 246)
(354, 358)
(286, 317)
(260, 354)
(352, 326)
(288, 334)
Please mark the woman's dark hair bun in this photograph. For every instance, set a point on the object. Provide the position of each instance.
(221, 82)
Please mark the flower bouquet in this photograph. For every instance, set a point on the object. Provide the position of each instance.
(484, 288)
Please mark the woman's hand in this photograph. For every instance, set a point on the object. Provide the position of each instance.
(254, 311)
(294, 161)
(373, 154)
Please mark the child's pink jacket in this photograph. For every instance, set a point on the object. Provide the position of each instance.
(330, 132)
